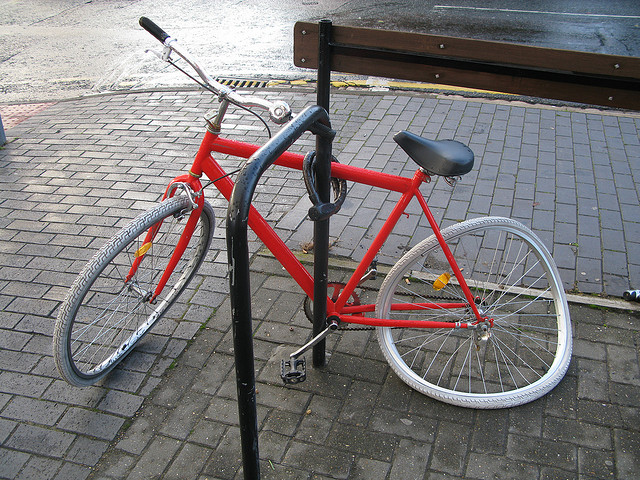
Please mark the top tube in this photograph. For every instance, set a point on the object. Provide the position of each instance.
(350, 173)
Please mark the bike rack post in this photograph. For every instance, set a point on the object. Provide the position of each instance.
(316, 120)
(323, 178)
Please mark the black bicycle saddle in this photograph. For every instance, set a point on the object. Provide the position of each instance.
(448, 158)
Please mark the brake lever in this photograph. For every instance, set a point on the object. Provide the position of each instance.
(166, 51)
(165, 55)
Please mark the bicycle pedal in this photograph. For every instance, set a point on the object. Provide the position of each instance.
(297, 373)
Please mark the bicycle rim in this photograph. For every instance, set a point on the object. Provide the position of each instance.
(515, 283)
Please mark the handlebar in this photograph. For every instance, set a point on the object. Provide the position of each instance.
(153, 29)
(279, 111)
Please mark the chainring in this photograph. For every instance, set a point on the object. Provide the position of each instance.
(333, 291)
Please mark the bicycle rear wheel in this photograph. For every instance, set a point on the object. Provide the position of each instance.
(104, 316)
(515, 282)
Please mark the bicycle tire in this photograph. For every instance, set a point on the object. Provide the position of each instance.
(515, 282)
(102, 318)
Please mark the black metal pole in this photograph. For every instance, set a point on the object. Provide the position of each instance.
(315, 119)
(238, 253)
(323, 178)
(324, 63)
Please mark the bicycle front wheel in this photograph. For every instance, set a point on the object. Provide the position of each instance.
(514, 282)
(104, 315)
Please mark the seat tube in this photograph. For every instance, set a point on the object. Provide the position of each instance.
(450, 258)
(412, 190)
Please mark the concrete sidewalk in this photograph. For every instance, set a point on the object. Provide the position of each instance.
(77, 170)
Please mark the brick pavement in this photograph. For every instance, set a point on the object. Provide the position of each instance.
(74, 172)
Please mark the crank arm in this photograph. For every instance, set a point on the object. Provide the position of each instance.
(294, 370)
(333, 325)
(371, 273)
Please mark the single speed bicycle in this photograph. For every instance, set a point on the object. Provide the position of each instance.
(475, 315)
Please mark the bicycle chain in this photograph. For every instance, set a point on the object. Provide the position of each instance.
(354, 329)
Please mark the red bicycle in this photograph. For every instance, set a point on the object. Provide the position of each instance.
(474, 315)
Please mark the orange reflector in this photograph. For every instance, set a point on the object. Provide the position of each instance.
(441, 281)
(143, 249)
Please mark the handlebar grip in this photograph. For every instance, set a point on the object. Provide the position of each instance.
(153, 29)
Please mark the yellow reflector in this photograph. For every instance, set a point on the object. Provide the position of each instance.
(143, 249)
(441, 281)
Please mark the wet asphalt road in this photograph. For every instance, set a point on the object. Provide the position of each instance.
(64, 48)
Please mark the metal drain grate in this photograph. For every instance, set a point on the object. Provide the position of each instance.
(239, 83)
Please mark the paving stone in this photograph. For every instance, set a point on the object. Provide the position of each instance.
(22, 384)
(596, 463)
(555, 454)
(126, 380)
(580, 433)
(13, 340)
(370, 470)
(627, 451)
(86, 451)
(550, 473)
(182, 419)
(121, 403)
(39, 467)
(319, 459)
(140, 360)
(450, 448)
(410, 461)
(155, 459)
(12, 461)
(59, 391)
(90, 423)
(207, 433)
(33, 410)
(38, 440)
(497, 467)
(314, 428)
(225, 460)
(360, 440)
(141, 432)
(72, 471)
(592, 381)
(404, 425)
(623, 364)
(188, 463)
(490, 432)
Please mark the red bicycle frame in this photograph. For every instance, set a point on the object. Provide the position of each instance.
(204, 163)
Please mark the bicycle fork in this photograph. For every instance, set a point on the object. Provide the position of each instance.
(193, 189)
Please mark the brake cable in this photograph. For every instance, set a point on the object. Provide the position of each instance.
(211, 182)
(208, 88)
